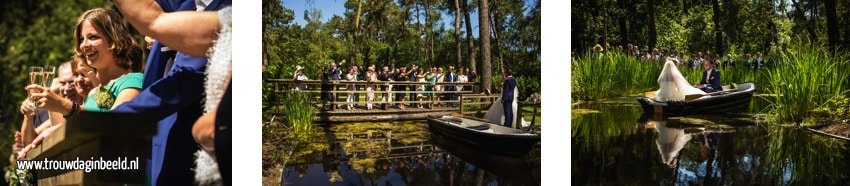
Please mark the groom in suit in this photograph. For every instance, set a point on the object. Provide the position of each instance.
(508, 97)
(175, 99)
(710, 78)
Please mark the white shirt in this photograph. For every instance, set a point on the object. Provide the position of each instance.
(201, 5)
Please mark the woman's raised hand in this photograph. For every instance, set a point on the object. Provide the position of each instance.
(48, 100)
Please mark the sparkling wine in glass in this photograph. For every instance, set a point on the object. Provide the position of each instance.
(35, 76)
(49, 73)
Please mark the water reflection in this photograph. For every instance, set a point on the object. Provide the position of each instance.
(398, 153)
(670, 141)
(617, 145)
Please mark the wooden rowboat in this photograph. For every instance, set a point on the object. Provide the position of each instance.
(487, 136)
(726, 101)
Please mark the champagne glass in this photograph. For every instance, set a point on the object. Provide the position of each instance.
(35, 77)
(49, 73)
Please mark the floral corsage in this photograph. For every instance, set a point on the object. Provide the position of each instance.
(104, 98)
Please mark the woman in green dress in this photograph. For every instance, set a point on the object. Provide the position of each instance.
(432, 79)
(108, 55)
(104, 43)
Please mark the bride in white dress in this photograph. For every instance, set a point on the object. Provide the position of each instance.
(496, 112)
(673, 86)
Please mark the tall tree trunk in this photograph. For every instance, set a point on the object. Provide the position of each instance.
(605, 28)
(624, 30)
(831, 25)
(810, 26)
(429, 37)
(484, 36)
(457, 34)
(401, 32)
(470, 41)
(718, 35)
(419, 39)
(652, 31)
(357, 31)
(496, 28)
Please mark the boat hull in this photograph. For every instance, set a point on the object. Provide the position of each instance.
(510, 141)
(726, 102)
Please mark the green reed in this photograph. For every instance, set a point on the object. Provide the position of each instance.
(298, 111)
(596, 76)
(806, 77)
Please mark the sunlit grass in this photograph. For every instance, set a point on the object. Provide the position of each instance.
(596, 76)
(807, 77)
(298, 112)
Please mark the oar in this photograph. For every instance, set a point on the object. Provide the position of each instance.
(651, 95)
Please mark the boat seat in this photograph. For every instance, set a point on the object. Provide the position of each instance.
(479, 126)
(730, 87)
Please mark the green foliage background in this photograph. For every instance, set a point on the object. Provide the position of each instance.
(747, 26)
(390, 30)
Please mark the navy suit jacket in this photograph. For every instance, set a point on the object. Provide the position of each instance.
(450, 77)
(176, 100)
(223, 135)
(508, 90)
(713, 80)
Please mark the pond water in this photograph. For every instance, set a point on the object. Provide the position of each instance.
(399, 153)
(613, 143)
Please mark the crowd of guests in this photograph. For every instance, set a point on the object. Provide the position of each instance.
(752, 61)
(186, 84)
(425, 94)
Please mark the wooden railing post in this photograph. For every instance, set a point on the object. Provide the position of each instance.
(335, 98)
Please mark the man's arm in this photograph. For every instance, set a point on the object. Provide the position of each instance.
(180, 88)
(147, 16)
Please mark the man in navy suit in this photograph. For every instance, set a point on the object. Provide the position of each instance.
(451, 76)
(175, 99)
(710, 81)
(508, 87)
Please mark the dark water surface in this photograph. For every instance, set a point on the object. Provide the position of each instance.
(612, 143)
(401, 153)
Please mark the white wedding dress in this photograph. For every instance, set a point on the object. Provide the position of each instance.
(496, 113)
(673, 86)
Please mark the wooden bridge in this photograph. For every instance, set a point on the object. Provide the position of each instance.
(386, 106)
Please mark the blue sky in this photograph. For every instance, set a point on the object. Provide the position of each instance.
(336, 7)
